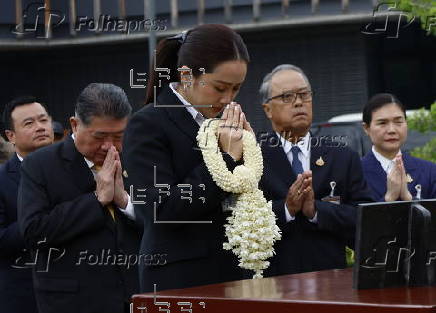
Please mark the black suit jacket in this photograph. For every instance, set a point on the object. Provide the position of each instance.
(71, 235)
(16, 288)
(192, 254)
(307, 246)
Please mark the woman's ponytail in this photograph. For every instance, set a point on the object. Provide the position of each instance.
(166, 58)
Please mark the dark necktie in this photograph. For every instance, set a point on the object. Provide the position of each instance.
(296, 163)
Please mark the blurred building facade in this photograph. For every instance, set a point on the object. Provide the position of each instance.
(53, 49)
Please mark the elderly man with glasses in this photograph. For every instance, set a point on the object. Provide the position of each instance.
(315, 185)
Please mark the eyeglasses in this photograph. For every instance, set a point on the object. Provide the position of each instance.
(290, 96)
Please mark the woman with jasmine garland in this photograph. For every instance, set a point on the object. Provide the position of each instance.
(176, 150)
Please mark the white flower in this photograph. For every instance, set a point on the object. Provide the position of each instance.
(251, 230)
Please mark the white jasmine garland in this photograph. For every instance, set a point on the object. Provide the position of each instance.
(251, 230)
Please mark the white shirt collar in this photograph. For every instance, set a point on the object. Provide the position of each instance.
(88, 162)
(197, 116)
(303, 143)
(385, 163)
(19, 157)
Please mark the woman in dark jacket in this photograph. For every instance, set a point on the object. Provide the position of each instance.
(391, 174)
(197, 75)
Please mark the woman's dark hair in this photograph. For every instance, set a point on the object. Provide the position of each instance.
(204, 46)
(376, 102)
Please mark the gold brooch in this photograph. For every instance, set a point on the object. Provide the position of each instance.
(320, 162)
(409, 178)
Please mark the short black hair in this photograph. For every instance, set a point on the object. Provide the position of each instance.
(102, 100)
(376, 102)
(6, 121)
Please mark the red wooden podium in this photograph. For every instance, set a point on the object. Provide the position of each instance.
(316, 292)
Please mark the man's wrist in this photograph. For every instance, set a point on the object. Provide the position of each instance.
(96, 196)
(291, 210)
(312, 213)
(103, 203)
(314, 219)
(125, 201)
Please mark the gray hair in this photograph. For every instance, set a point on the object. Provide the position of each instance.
(102, 100)
(265, 87)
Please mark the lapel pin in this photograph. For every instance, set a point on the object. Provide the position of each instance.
(418, 191)
(320, 162)
(125, 174)
(332, 186)
(332, 198)
(409, 178)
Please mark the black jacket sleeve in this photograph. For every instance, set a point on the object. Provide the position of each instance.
(53, 224)
(11, 241)
(148, 158)
(341, 218)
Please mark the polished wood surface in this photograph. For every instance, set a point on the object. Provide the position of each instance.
(317, 292)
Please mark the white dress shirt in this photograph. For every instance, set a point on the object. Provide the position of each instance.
(197, 116)
(19, 157)
(129, 210)
(304, 157)
(385, 163)
(199, 119)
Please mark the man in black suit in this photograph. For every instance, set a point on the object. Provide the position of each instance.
(75, 214)
(315, 184)
(27, 126)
